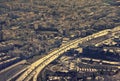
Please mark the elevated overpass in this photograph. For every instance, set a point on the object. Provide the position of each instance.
(35, 68)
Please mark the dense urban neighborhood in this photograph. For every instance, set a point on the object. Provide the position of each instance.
(59, 40)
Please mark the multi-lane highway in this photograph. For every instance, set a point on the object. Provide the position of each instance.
(34, 69)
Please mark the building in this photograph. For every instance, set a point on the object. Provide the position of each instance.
(1, 36)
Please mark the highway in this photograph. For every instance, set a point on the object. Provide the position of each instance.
(35, 68)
